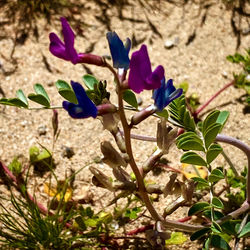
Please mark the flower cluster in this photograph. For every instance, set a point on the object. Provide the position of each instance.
(141, 77)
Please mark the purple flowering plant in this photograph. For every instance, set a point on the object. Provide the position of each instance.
(176, 125)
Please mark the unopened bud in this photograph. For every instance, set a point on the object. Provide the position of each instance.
(100, 179)
(106, 108)
(92, 59)
(111, 156)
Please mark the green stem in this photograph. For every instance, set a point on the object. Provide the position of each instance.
(51, 107)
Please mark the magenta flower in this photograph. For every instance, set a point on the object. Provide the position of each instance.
(141, 76)
(64, 50)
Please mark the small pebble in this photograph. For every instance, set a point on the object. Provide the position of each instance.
(24, 123)
(42, 130)
(224, 74)
(68, 152)
(169, 44)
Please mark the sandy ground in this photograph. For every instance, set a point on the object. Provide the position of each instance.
(200, 62)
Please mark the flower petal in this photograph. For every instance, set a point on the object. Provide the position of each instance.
(57, 47)
(69, 39)
(85, 107)
(153, 81)
(166, 94)
(118, 51)
(140, 69)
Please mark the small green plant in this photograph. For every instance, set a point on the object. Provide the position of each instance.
(242, 80)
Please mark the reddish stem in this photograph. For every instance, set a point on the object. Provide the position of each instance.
(185, 219)
(196, 113)
(140, 230)
(169, 167)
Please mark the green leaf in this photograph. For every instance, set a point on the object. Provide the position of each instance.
(130, 98)
(198, 234)
(213, 151)
(89, 212)
(215, 227)
(211, 134)
(201, 181)
(89, 81)
(45, 154)
(216, 175)
(184, 85)
(177, 238)
(229, 227)
(39, 89)
(39, 99)
(193, 158)
(216, 214)
(198, 207)
(222, 118)
(245, 232)
(190, 141)
(15, 166)
(179, 115)
(41, 96)
(66, 91)
(207, 244)
(21, 96)
(90, 222)
(190, 145)
(80, 223)
(210, 120)
(217, 203)
(219, 242)
(163, 113)
(36, 155)
(132, 213)
(13, 102)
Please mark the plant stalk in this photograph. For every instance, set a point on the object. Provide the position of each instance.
(197, 112)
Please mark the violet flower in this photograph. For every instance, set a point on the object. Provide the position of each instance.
(166, 94)
(119, 51)
(85, 107)
(64, 50)
(141, 76)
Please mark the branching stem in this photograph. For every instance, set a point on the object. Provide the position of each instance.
(127, 131)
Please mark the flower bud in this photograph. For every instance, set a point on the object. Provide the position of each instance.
(111, 156)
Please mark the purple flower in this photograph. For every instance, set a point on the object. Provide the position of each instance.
(64, 50)
(141, 76)
(166, 94)
(119, 51)
(85, 107)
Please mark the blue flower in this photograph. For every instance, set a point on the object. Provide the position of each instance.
(85, 107)
(119, 51)
(165, 94)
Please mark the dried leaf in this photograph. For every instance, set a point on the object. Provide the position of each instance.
(190, 171)
(169, 187)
